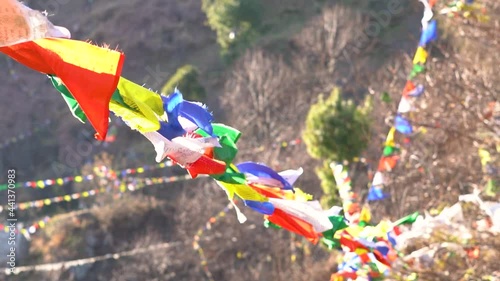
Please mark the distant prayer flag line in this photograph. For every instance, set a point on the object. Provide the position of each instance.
(26, 134)
(402, 125)
(82, 178)
(139, 183)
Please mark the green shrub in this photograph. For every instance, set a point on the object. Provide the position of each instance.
(337, 129)
(186, 80)
(236, 23)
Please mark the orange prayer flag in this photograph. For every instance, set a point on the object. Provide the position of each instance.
(387, 163)
(90, 73)
(408, 88)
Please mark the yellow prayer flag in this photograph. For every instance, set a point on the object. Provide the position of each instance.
(354, 230)
(389, 141)
(98, 60)
(143, 109)
(365, 214)
(296, 195)
(40, 184)
(485, 156)
(420, 56)
(245, 192)
(360, 251)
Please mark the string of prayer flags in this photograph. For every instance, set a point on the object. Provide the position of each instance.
(369, 251)
(83, 178)
(467, 9)
(132, 185)
(347, 196)
(25, 135)
(199, 234)
(27, 231)
(403, 125)
(353, 213)
(188, 138)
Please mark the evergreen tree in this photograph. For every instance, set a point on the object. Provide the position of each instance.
(236, 23)
(336, 130)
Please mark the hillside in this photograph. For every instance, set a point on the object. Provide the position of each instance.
(305, 49)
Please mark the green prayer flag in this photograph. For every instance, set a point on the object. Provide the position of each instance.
(68, 98)
(227, 139)
(389, 150)
(230, 176)
(409, 219)
(269, 224)
(491, 188)
(362, 223)
(417, 69)
(338, 224)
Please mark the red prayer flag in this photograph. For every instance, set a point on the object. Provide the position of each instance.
(295, 225)
(90, 73)
(206, 165)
